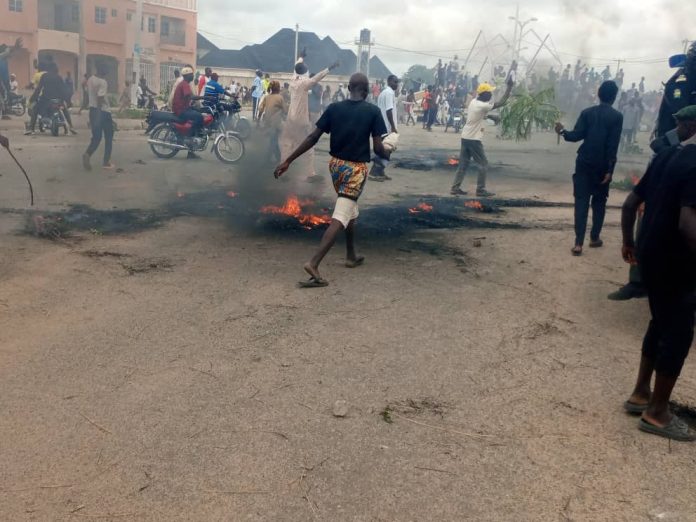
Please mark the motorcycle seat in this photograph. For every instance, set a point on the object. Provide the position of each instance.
(163, 116)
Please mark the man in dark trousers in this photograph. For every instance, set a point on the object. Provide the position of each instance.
(351, 123)
(599, 128)
(666, 254)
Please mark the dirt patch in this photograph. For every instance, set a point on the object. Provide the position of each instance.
(147, 265)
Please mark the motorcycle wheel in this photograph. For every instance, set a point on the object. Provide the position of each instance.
(19, 110)
(55, 126)
(229, 149)
(163, 132)
(243, 128)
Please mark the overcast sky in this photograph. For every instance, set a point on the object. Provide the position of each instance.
(635, 31)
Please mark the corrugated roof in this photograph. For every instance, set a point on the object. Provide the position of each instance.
(277, 55)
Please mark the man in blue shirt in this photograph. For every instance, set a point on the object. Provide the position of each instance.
(213, 91)
(256, 92)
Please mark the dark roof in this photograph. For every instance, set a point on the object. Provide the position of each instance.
(276, 55)
(203, 43)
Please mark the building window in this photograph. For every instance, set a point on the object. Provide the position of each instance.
(151, 21)
(129, 16)
(75, 13)
(164, 27)
(100, 15)
(16, 6)
(114, 13)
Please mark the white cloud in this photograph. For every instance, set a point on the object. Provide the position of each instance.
(632, 30)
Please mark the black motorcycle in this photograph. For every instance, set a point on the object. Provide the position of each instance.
(15, 104)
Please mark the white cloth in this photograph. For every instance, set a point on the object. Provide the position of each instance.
(387, 101)
(391, 141)
(174, 86)
(297, 125)
(97, 88)
(475, 116)
(345, 211)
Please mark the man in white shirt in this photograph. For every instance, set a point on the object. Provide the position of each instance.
(386, 102)
(100, 118)
(472, 136)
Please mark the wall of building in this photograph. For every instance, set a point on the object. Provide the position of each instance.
(114, 39)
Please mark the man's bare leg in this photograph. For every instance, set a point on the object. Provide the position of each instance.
(352, 259)
(327, 241)
(658, 412)
(641, 393)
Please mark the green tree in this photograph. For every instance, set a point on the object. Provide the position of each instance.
(419, 73)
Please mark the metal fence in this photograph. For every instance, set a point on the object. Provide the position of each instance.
(147, 70)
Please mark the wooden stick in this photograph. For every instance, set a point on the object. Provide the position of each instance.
(31, 188)
(100, 428)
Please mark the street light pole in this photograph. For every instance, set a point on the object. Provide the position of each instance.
(136, 50)
(517, 40)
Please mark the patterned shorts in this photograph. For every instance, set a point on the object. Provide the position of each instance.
(348, 177)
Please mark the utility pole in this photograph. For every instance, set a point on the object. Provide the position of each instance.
(297, 42)
(514, 38)
(82, 59)
(471, 51)
(138, 20)
(532, 63)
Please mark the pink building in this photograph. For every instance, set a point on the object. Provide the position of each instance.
(50, 30)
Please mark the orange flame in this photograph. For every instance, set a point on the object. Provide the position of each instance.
(293, 208)
(421, 207)
(453, 161)
(474, 204)
(233, 194)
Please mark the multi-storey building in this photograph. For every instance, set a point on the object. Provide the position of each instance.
(50, 30)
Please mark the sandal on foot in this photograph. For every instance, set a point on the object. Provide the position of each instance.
(355, 262)
(677, 429)
(313, 282)
(634, 408)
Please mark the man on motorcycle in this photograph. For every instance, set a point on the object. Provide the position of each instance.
(213, 91)
(50, 87)
(144, 92)
(181, 105)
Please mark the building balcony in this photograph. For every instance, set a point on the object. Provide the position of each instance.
(186, 5)
(58, 40)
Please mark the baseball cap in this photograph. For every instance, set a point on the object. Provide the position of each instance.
(186, 70)
(485, 87)
(686, 114)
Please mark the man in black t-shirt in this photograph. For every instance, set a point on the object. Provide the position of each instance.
(666, 254)
(51, 87)
(350, 124)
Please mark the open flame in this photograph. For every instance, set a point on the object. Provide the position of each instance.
(475, 204)
(453, 161)
(421, 207)
(293, 208)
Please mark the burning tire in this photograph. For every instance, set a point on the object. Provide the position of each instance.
(229, 149)
(163, 133)
(243, 128)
